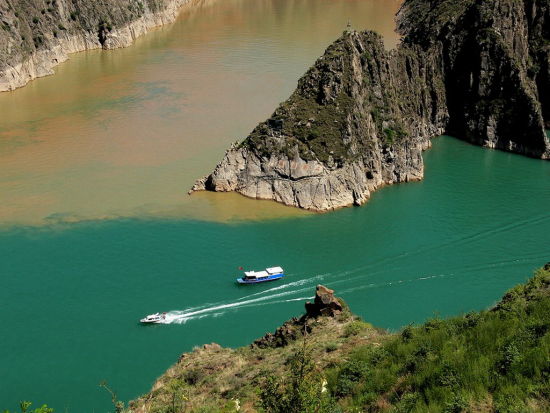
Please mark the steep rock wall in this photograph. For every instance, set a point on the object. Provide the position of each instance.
(495, 69)
(37, 35)
(350, 127)
(361, 116)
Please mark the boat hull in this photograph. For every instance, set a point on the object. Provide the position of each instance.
(156, 318)
(274, 277)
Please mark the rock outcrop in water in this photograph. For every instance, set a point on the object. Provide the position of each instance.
(37, 35)
(361, 116)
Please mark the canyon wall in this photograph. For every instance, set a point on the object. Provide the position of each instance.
(361, 116)
(37, 35)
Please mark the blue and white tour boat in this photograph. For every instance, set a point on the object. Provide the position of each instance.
(255, 277)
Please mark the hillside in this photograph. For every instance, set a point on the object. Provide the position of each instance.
(329, 360)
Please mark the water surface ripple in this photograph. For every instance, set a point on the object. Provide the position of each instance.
(127, 136)
(72, 293)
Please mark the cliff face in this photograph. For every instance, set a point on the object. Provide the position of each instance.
(495, 67)
(37, 35)
(361, 116)
(353, 124)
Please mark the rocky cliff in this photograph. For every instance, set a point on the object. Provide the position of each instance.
(217, 379)
(329, 361)
(361, 116)
(37, 35)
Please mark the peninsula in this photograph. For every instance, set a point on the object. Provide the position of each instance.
(360, 118)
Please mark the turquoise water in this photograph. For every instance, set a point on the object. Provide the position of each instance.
(71, 295)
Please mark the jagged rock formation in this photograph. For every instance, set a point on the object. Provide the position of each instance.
(361, 116)
(283, 335)
(325, 304)
(37, 35)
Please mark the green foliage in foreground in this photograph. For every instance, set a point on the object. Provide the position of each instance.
(492, 361)
(301, 391)
(496, 360)
(24, 406)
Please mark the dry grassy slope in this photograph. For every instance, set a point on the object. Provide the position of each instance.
(214, 377)
(493, 361)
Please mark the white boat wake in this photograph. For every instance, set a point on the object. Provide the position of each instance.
(294, 291)
(216, 310)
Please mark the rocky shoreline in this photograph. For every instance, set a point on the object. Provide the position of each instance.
(70, 29)
(360, 118)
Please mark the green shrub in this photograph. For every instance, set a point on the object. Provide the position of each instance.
(193, 376)
(355, 327)
(350, 374)
(407, 333)
(457, 404)
(303, 390)
(25, 405)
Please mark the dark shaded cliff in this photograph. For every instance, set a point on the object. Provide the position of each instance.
(361, 116)
(494, 58)
(36, 35)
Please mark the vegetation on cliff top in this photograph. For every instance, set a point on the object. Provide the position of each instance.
(320, 119)
(330, 361)
(490, 361)
(314, 126)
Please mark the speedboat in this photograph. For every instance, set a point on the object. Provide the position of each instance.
(154, 318)
(255, 277)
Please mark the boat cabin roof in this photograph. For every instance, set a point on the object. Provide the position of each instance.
(256, 274)
(266, 273)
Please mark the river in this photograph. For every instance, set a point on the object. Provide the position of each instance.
(97, 229)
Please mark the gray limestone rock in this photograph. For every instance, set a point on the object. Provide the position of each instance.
(37, 35)
(360, 118)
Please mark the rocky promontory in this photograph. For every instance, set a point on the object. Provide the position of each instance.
(328, 361)
(37, 35)
(361, 116)
(325, 304)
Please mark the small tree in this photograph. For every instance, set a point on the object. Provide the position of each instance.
(24, 407)
(303, 390)
(117, 404)
(177, 393)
